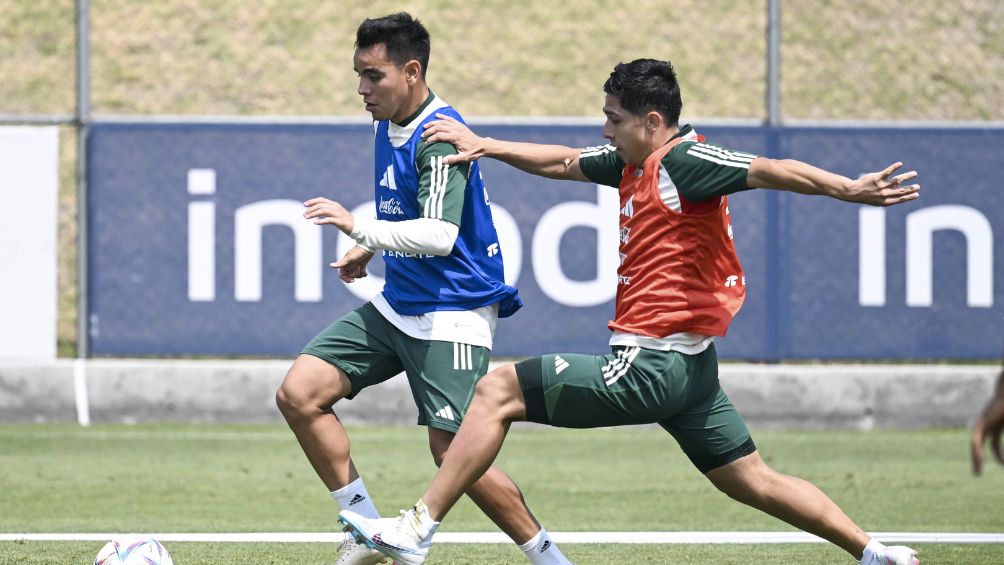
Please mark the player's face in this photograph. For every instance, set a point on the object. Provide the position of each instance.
(382, 84)
(625, 131)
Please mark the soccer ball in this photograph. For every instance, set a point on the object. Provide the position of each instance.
(133, 551)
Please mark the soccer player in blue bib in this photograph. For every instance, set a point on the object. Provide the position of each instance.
(444, 291)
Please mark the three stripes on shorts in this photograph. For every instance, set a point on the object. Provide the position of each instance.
(462, 358)
(619, 366)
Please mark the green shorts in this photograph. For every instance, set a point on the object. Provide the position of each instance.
(442, 374)
(633, 385)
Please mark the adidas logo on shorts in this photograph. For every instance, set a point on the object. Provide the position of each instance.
(559, 364)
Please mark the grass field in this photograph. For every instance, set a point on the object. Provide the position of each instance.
(181, 478)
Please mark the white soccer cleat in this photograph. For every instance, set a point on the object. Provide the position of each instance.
(899, 555)
(354, 553)
(403, 539)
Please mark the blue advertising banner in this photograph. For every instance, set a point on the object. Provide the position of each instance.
(198, 245)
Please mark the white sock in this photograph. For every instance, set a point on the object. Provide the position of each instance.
(424, 525)
(541, 550)
(873, 551)
(354, 497)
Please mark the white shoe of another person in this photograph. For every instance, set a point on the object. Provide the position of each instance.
(353, 553)
(898, 555)
(404, 539)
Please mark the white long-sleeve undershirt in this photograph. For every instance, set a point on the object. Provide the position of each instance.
(423, 235)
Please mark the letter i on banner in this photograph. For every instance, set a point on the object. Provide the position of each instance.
(202, 236)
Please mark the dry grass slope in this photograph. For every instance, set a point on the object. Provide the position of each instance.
(924, 60)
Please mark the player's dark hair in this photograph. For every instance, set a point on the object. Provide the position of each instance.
(647, 85)
(405, 37)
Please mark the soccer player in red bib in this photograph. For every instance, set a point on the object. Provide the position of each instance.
(679, 285)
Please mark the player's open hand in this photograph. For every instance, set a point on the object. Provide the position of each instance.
(469, 146)
(352, 265)
(989, 426)
(882, 188)
(324, 211)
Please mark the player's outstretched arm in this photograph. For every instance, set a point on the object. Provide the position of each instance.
(880, 188)
(551, 161)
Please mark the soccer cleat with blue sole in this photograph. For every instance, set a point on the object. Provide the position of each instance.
(400, 538)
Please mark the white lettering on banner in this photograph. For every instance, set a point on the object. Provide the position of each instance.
(249, 221)
(202, 182)
(920, 228)
(309, 262)
(871, 257)
(202, 237)
(602, 216)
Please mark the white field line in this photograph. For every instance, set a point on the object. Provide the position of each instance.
(141, 435)
(560, 537)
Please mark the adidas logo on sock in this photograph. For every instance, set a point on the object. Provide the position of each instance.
(547, 544)
(356, 499)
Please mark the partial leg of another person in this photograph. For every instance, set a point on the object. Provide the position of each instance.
(338, 363)
(496, 404)
(494, 492)
(441, 371)
(502, 501)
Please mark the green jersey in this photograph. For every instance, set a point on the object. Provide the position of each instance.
(694, 175)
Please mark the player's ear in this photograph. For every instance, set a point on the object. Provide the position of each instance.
(412, 71)
(652, 121)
